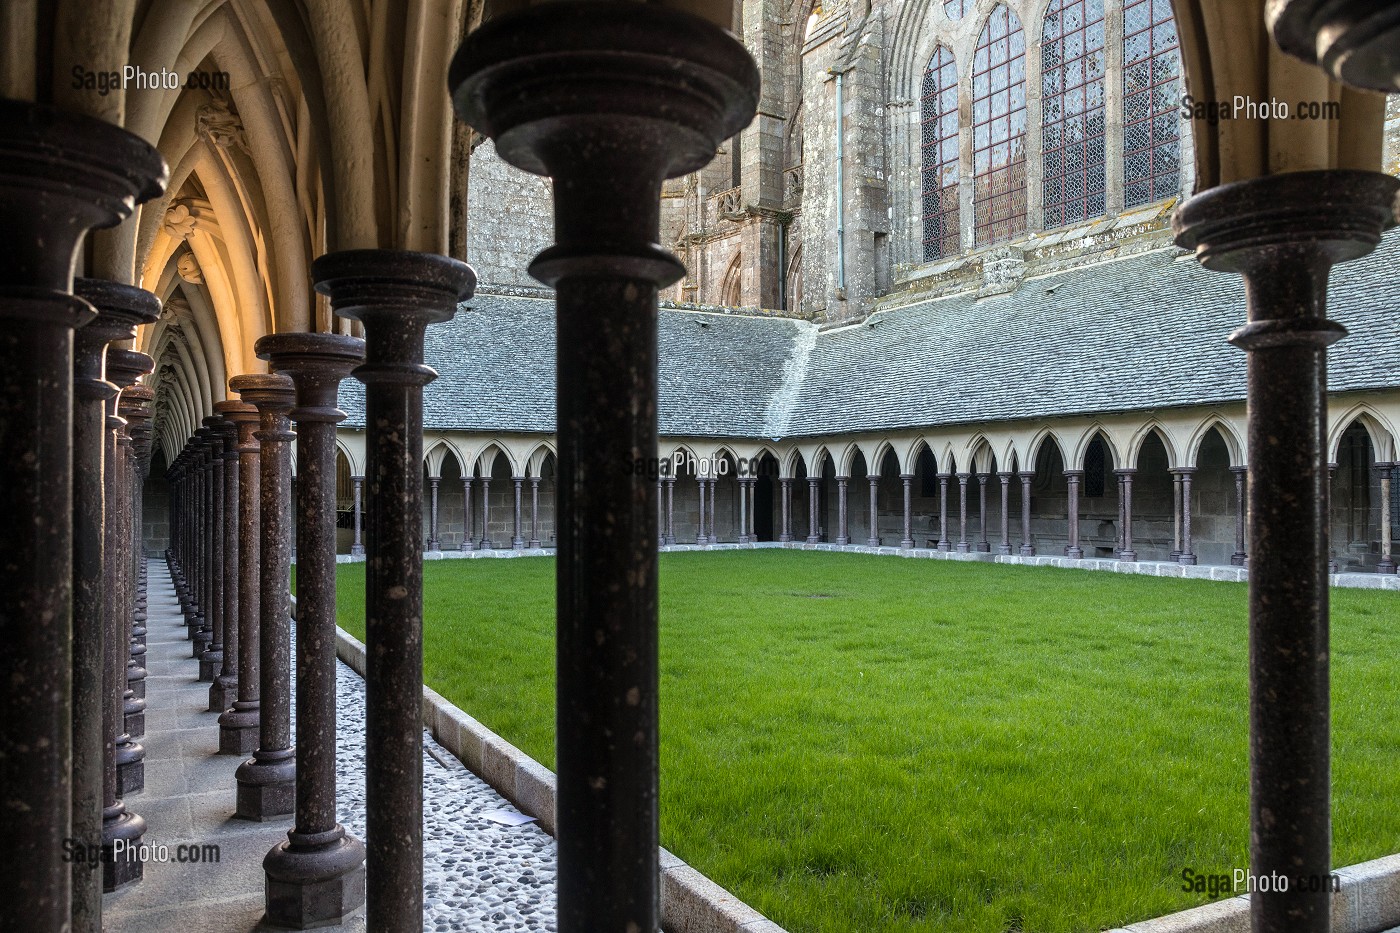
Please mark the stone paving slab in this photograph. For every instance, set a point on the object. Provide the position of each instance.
(479, 876)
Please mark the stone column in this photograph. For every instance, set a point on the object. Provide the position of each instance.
(266, 782)
(1283, 233)
(1072, 549)
(908, 540)
(135, 408)
(224, 689)
(316, 876)
(714, 497)
(238, 726)
(670, 510)
(433, 482)
(213, 657)
(700, 536)
(204, 633)
(675, 87)
(1238, 558)
(357, 491)
(983, 545)
(1331, 553)
(194, 474)
(842, 537)
(64, 174)
(813, 498)
(485, 543)
(744, 510)
(535, 512)
(1387, 563)
(1005, 546)
(396, 295)
(874, 539)
(1188, 551)
(120, 309)
(1128, 554)
(1176, 514)
(943, 543)
(468, 538)
(124, 367)
(785, 501)
(1122, 515)
(963, 547)
(1027, 548)
(516, 541)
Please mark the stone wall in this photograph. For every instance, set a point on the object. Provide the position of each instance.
(155, 515)
(510, 219)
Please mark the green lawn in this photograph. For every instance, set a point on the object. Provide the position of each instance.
(861, 744)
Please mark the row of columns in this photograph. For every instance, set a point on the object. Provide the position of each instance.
(469, 540)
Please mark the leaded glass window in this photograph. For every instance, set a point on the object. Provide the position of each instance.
(999, 129)
(940, 156)
(956, 9)
(1072, 91)
(1151, 123)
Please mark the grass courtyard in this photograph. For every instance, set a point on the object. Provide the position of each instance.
(861, 744)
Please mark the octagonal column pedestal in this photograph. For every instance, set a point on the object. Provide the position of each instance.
(212, 658)
(124, 367)
(317, 875)
(1283, 233)
(120, 308)
(395, 295)
(238, 726)
(620, 96)
(1072, 549)
(135, 408)
(267, 781)
(64, 175)
(224, 687)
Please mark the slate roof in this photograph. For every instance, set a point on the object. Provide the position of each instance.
(1138, 333)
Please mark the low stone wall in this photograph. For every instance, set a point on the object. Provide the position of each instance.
(690, 902)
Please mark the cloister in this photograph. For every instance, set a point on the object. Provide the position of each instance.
(200, 277)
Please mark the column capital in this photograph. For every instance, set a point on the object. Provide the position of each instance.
(269, 392)
(125, 367)
(316, 364)
(1239, 469)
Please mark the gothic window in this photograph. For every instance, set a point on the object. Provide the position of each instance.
(1095, 469)
(1151, 128)
(940, 156)
(1072, 88)
(956, 9)
(999, 129)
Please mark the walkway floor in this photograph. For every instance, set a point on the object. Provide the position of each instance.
(478, 874)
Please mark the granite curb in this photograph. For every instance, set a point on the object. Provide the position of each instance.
(690, 902)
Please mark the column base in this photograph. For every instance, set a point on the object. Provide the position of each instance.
(784, 539)
(313, 884)
(713, 539)
(136, 683)
(944, 546)
(1004, 549)
(906, 544)
(202, 641)
(670, 540)
(134, 721)
(358, 550)
(1074, 553)
(1173, 554)
(813, 539)
(1332, 566)
(534, 545)
(962, 548)
(222, 693)
(1237, 559)
(872, 542)
(517, 544)
(209, 663)
(840, 539)
(122, 832)
(984, 547)
(267, 786)
(131, 768)
(1385, 565)
(1026, 550)
(1187, 559)
(238, 729)
(1129, 557)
